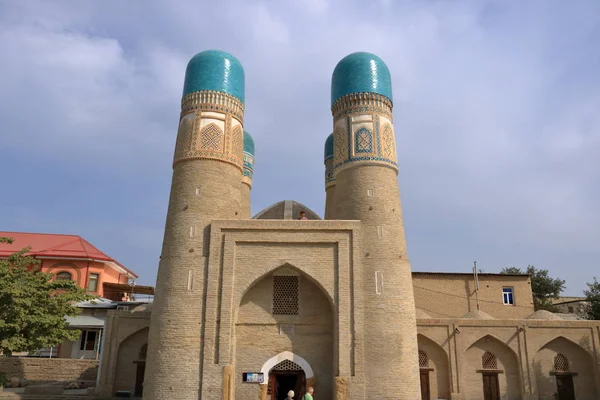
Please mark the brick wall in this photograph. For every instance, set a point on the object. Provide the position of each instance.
(49, 369)
(453, 295)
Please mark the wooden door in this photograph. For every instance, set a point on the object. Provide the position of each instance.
(139, 378)
(425, 394)
(491, 387)
(300, 385)
(564, 387)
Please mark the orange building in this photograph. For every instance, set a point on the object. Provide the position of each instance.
(70, 257)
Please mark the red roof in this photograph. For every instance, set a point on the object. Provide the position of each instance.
(54, 245)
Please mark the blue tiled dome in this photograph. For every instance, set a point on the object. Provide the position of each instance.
(248, 144)
(361, 72)
(329, 147)
(215, 70)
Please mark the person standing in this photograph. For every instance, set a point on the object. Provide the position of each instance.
(290, 395)
(309, 393)
(302, 215)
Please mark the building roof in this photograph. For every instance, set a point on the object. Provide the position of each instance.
(287, 209)
(85, 321)
(360, 73)
(466, 273)
(215, 70)
(57, 246)
(248, 144)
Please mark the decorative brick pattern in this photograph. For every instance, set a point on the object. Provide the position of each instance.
(285, 295)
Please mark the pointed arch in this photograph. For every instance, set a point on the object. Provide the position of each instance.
(490, 354)
(272, 269)
(287, 355)
(437, 361)
(563, 356)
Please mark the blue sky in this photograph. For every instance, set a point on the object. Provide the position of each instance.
(496, 116)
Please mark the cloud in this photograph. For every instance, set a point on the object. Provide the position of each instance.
(495, 115)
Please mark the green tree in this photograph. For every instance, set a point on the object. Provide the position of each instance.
(33, 306)
(592, 295)
(544, 287)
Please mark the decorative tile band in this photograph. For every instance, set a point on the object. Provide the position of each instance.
(215, 139)
(210, 100)
(360, 139)
(248, 169)
(362, 103)
(329, 172)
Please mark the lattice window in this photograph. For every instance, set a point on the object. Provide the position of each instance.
(363, 141)
(211, 138)
(489, 361)
(287, 365)
(285, 295)
(561, 363)
(143, 352)
(423, 359)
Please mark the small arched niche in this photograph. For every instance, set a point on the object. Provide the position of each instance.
(433, 365)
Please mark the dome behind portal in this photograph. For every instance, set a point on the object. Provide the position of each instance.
(361, 73)
(215, 70)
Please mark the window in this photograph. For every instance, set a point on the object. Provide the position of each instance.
(285, 295)
(64, 276)
(561, 363)
(88, 340)
(489, 361)
(93, 282)
(423, 359)
(508, 297)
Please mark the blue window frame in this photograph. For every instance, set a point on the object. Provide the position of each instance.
(508, 297)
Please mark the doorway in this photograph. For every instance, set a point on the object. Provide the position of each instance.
(425, 394)
(281, 382)
(564, 387)
(491, 387)
(139, 378)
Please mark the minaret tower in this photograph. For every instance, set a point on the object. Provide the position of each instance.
(207, 171)
(329, 179)
(367, 190)
(247, 176)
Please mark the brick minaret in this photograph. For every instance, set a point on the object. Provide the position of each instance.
(367, 190)
(329, 179)
(207, 175)
(247, 176)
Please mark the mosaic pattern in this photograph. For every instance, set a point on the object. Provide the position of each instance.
(363, 141)
(212, 138)
(215, 70)
(363, 145)
(423, 359)
(360, 72)
(211, 143)
(285, 295)
(329, 173)
(561, 363)
(389, 143)
(237, 141)
(489, 361)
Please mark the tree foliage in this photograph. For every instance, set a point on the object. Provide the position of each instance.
(592, 295)
(544, 287)
(33, 306)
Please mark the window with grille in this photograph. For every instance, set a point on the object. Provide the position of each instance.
(423, 359)
(285, 295)
(489, 361)
(561, 363)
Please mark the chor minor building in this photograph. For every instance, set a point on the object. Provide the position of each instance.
(252, 307)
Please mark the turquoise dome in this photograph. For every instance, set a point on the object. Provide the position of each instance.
(329, 147)
(215, 70)
(361, 72)
(248, 144)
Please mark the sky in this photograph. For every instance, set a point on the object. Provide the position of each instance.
(496, 112)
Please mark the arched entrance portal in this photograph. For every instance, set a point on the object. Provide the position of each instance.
(286, 376)
(284, 330)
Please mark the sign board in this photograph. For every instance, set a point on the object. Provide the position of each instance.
(253, 377)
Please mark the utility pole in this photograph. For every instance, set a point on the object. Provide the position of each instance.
(476, 284)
